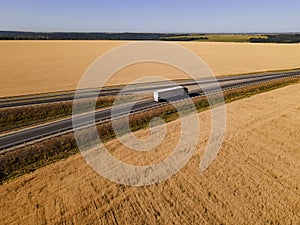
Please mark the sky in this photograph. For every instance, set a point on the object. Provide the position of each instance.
(190, 16)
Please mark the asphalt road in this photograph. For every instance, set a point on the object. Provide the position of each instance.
(41, 131)
(11, 140)
(111, 91)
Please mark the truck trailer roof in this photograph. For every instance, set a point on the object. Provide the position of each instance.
(170, 89)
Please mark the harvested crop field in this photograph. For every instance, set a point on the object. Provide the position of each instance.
(28, 67)
(255, 179)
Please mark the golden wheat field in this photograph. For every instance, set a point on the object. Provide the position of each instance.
(43, 66)
(255, 178)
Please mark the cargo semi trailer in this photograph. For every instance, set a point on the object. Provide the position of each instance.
(170, 93)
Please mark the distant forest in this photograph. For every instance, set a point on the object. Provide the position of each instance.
(267, 38)
(279, 38)
(16, 35)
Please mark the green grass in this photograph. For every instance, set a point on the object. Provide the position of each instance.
(232, 37)
(29, 158)
(21, 117)
(216, 37)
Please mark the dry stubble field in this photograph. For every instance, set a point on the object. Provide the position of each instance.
(255, 179)
(42, 66)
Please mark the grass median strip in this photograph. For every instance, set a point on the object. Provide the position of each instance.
(21, 117)
(29, 158)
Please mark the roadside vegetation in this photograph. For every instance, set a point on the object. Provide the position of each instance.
(24, 116)
(19, 117)
(29, 158)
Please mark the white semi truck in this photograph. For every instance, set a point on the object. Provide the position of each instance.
(170, 93)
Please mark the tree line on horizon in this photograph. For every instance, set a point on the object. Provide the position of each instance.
(20, 35)
(279, 38)
(16, 35)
